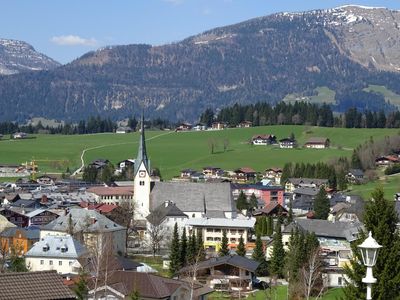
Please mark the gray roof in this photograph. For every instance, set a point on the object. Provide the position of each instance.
(306, 191)
(316, 181)
(233, 260)
(83, 220)
(57, 246)
(142, 153)
(356, 172)
(324, 228)
(29, 233)
(192, 196)
(167, 209)
(221, 222)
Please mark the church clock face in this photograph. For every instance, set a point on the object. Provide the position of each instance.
(142, 174)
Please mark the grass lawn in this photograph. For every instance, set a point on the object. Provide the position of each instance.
(173, 151)
(390, 185)
(279, 293)
(154, 262)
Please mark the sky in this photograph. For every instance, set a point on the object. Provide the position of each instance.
(66, 29)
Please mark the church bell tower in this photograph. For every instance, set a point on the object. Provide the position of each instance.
(142, 178)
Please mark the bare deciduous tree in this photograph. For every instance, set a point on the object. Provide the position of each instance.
(311, 275)
(156, 231)
(226, 144)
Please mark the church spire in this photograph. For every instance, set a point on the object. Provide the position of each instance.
(142, 154)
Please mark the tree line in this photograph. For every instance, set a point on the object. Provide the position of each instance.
(94, 124)
(301, 113)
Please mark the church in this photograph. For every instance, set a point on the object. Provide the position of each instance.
(196, 200)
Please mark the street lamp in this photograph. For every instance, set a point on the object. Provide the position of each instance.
(369, 252)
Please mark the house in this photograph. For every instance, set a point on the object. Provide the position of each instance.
(93, 227)
(355, 176)
(187, 173)
(125, 165)
(19, 135)
(184, 127)
(273, 174)
(245, 174)
(226, 273)
(166, 215)
(263, 140)
(34, 286)
(112, 195)
(303, 199)
(266, 193)
(212, 230)
(123, 129)
(55, 252)
(46, 180)
(218, 125)
(24, 217)
(122, 284)
(199, 127)
(212, 172)
(344, 212)
(273, 209)
(287, 143)
(294, 183)
(196, 200)
(40, 216)
(317, 143)
(19, 239)
(387, 160)
(245, 124)
(99, 163)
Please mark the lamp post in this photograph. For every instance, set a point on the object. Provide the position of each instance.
(369, 252)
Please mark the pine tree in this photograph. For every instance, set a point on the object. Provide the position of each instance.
(174, 255)
(380, 218)
(341, 180)
(241, 202)
(241, 249)
(201, 253)
(278, 253)
(192, 248)
(253, 202)
(259, 256)
(224, 250)
(289, 218)
(81, 290)
(183, 249)
(321, 205)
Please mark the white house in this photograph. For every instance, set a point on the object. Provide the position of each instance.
(60, 253)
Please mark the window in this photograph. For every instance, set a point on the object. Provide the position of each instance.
(42, 262)
(193, 215)
(209, 238)
(70, 263)
(339, 281)
(50, 262)
(60, 262)
(141, 182)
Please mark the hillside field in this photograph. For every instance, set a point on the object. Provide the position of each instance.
(173, 151)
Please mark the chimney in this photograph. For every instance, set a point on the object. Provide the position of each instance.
(44, 199)
(166, 203)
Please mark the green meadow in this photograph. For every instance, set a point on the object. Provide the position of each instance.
(172, 151)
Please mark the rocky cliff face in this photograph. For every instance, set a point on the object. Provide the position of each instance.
(263, 59)
(18, 56)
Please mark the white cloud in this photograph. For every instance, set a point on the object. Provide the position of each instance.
(73, 40)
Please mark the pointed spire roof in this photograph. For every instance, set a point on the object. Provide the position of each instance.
(142, 153)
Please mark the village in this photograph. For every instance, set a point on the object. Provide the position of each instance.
(211, 230)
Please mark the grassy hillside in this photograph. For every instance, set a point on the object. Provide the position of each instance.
(172, 151)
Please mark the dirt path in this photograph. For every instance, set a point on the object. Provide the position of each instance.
(79, 170)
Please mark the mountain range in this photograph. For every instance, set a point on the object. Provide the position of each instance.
(18, 56)
(351, 52)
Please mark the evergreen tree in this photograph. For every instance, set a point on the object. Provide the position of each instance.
(183, 249)
(224, 250)
(321, 205)
(380, 218)
(259, 256)
(81, 290)
(253, 202)
(89, 174)
(174, 255)
(192, 248)
(341, 180)
(201, 253)
(278, 253)
(289, 219)
(241, 202)
(287, 172)
(241, 249)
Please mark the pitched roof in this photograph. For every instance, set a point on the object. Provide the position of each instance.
(317, 140)
(83, 220)
(34, 285)
(29, 233)
(142, 153)
(324, 228)
(306, 191)
(221, 222)
(148, 285)
(167, 209)
(57, 246)
(233, 260)
(192, 196)
(246, 170)
(272, 206)
(111, 191)
(316, 181)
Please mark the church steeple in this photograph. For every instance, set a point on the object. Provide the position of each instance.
(142, 154)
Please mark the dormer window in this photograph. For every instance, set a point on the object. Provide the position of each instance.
(46, 248)
(64, 249)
